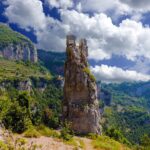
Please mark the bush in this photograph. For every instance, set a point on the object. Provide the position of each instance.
(105, 143)
(66, 132)
(145, 141)
(87, 70)
(32, 132)
(50, 118)
(117, 135)
(3, 146)
(17, 118)
(45, 131)
(92, 136)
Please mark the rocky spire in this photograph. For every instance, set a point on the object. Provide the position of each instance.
(80, 104)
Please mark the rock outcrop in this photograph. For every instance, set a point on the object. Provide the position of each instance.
(22, 51)
(15, 46)
(80, 104)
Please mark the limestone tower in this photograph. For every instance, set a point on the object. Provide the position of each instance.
(80, 104)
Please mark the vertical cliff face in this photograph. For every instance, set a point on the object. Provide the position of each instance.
(80, 105)
(20, 51)
(15, 46)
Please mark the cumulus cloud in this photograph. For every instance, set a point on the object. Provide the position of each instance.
(118, 6)
(28, 13)
(60, 3)
(141, 5)
(130, 38)
(114, 74)
(104, 6)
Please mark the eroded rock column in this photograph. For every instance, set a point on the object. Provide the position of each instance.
(80, 104)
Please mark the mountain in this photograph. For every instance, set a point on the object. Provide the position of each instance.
(31, 99)
(16, 46)
(53, 61)
(28, 91)
(129, 111)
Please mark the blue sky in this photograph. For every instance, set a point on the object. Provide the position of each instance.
(117, 31)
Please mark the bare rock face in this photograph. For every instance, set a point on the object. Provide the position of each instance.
(23, 51)
(80, 105)
(15, 46)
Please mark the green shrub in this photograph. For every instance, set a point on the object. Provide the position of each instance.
(87, 70)
(3, 146)
(92, 136)
(66, 132)
(145, 141)
(17, 118)
(105, 143)
(117, 135)
(31, 132)
(45, 131)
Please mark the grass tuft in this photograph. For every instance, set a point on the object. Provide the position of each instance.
(32, 133)
(45, 131)
(106, 143)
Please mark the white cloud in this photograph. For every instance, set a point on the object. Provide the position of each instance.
(60, 3)
(28, 13)
(129, 39)
(113, 8)
(140, 5)
(118, 6)
(98, 55)
(114, 74)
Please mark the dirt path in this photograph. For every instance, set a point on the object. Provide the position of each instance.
(47, 143)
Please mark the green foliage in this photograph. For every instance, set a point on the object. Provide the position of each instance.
(87, 70)
(66, 132)
(3, 146)
(45, 131)
(53, 61)
(117, 135)
(7, 36)
(19, 110)
(17, 117)
(21, 141)
(4, 105)
(17, 70)
(31, 132)
(101, 104)
(50, 102)
(145, 142)
(92, 136)
(129, 112)
(106, 143)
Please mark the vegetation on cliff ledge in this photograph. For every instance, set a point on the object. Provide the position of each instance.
(87, 70)
(21, 70)
(8, 36)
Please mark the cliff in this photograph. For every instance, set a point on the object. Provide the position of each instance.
(80, 105)
(15, 46)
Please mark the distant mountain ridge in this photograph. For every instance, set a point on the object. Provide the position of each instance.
(129, 110)
(53, 61)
